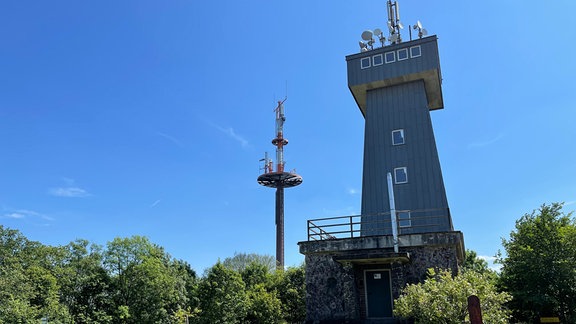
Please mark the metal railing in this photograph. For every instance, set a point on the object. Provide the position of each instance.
(419, 221)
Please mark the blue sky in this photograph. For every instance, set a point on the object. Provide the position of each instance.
(122, 118)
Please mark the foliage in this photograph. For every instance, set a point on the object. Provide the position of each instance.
(28, 285)
(442, 298)
(149, 286)
(222, 296)
(255, 274)
(538, 269)
(473, 263)
(242, 260)
(132, 280)
(263, 306)
(85, 284)
(291, 287)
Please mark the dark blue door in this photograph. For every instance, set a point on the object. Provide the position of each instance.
(378, 293)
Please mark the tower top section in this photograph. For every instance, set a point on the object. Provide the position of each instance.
(277, 177)
(395, 62)
(387, 66)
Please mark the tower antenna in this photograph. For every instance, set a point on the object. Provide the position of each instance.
(279, 179)
(394, 24)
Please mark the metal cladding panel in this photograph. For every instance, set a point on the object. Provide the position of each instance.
(425, 67)
(402, 106)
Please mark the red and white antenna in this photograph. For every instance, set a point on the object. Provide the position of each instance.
(280, 141)
(279, 179)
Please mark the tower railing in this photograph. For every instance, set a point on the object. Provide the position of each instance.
(341, 227)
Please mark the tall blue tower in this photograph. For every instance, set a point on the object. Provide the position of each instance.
(356, 265)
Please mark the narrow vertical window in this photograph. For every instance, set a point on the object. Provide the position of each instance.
(415, 51)
(400, 175)
(390, 57)
(398, 137)
(377, 60)
(402, 54)
(404, 219)
(365, 63)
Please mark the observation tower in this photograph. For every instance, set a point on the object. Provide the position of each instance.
(279, 179)
(356, 265)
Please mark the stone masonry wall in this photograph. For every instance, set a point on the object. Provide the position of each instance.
(330, 289)
(335, 290)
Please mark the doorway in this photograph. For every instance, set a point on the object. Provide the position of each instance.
(378, 293)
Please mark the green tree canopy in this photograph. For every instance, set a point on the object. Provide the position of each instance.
(539, 266)
(291, 287)
(443, 298)
(148, 284)
(240, 261)
(222, 296)
(29, 287)
(474, 263)
(85, 284)
(132, 280)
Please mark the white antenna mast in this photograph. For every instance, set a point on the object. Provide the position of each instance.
(394, 24)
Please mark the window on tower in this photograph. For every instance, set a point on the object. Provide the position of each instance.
(402, 54)
(415, 51)
(400, 175)
(398, 137)
(365, 63)
(377, 60)
(390, 57)
(404, 219)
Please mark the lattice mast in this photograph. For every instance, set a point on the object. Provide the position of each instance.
(279, 179)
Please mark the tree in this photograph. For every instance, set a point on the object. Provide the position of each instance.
(473, 263)
(291, 287)
(442, 298)
(222, 296)
(538, 269)
(242, 260)
(28, 284)
(85, 284)
(148, 285)
(15, 288)
(264, 307)
(255, 274)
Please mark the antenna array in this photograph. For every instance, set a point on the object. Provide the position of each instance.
(394, 28)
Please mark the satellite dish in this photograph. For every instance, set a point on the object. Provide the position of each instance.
(393, 38)
(390, 27)
(362, 45)
(367, 35)
(400, 25)
(377, 32)
(418, 24)
(424, 32)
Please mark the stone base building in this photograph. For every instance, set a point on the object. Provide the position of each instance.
(355, 280)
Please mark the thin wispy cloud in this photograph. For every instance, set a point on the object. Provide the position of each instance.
(486, 142)
(231, 133)
(170, 138)
(70, 190)
(14, 215)
(154, 204)
(25, 214)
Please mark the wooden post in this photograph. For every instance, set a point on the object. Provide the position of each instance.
(474, 310)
